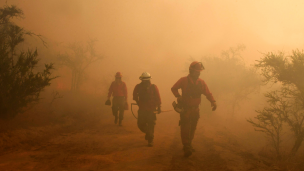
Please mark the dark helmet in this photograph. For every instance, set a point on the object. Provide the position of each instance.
(118, 75)
(196, 66)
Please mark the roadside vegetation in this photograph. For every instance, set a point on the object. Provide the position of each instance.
(24, 83)
(285, 109)
(20, 81)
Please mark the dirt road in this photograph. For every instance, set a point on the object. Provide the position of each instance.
(99, 144)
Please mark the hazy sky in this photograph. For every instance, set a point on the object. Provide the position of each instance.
(160, 35)
(156, 28)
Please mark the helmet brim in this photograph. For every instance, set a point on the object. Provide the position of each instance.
(194, 67)
(198, 70)
(145, 78)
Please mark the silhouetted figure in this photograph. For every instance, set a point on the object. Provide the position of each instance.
(119, 90)
(192, 87)
(148, 99)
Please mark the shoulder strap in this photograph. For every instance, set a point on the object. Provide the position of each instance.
(153, 91)
(154, 88)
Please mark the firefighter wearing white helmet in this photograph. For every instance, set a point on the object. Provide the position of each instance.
(145, 76)
(148, 99)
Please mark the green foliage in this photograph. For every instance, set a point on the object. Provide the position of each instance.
(285, 105)
(8, 12)
(20, 85)
(287, 70)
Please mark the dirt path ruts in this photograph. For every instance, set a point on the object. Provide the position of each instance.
(101, 145)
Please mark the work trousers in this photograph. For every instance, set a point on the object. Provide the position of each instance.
(188, 122)
(146, 122)
(118, 104)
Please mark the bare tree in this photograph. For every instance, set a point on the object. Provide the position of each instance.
(286, 105)
(294, 116)
(270, 119)
(230, 77)
(78, 59)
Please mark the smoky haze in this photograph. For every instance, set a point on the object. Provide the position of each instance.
(162, 37)
(159, 36)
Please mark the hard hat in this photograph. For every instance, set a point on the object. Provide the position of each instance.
(196, 66)
(145, 76)
(178, 107)
(118, 75)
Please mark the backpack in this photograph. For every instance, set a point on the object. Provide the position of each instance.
(144, 94)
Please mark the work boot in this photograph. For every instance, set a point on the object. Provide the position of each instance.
(187, 151)
(191, 148)
(115, 121)
(120, 122)
(146, 137)
(150, 143)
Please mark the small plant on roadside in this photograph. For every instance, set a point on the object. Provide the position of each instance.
(270, 120)
(55, 96)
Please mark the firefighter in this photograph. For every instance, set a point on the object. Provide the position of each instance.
(148, 99)
(118, 89)
(192, 87)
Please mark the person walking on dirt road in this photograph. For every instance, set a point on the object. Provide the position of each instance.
(192, 87)
(148, 100)
(118, 89)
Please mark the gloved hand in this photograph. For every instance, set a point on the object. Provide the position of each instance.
(108, 102)
(214, 106)
(179, 99)
(158, 110)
